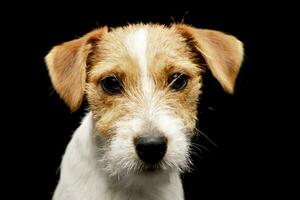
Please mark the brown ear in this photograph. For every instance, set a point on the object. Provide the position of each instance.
(67, 65)
(222, 53)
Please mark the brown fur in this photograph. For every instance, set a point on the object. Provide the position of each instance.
(167, 53)
(67, 65)
(223, 53)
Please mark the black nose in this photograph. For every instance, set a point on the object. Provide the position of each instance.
(151, 149)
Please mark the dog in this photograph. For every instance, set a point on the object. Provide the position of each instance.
(142, 83)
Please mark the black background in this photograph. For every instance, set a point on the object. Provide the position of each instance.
(248, 161)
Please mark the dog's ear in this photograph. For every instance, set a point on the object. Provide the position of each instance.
(222, 53)
(67, 64)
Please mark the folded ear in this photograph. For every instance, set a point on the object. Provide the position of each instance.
(67, 64)
(222, 53)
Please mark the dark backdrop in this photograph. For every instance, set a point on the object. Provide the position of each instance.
(244, 163)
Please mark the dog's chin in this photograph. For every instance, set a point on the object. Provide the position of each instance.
(145, 175)
(143, 170)
(154, 170)
(138, 174)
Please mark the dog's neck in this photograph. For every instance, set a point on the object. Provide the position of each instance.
(82, 174)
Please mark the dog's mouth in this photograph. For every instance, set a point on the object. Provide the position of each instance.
(151, 167)
(155, 167)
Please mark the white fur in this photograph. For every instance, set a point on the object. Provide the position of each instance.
(151, 112)
(137, 43)
(82, 176)
(94, 168)
(137, 46)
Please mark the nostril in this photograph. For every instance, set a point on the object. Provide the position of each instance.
(151, 149)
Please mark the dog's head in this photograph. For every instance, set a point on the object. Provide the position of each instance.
(143, 83)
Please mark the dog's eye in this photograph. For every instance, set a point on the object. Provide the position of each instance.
(177, 81)
(111, 85)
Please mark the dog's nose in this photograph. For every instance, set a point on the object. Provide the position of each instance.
(151, 149)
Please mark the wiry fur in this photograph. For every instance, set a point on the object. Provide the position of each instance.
(100, 162)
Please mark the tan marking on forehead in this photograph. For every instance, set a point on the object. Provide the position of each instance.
(144, 56)
(168, 54)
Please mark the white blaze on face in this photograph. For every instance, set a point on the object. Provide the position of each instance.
(153, 112)
(137, 43)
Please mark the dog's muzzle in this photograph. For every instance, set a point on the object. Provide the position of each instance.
(151, 149)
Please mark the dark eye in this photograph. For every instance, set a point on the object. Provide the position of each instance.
(111, 85)
(177, 81)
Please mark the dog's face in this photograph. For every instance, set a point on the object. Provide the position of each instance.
(143, 83)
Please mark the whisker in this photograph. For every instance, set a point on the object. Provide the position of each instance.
(199, 146)
(203, 134)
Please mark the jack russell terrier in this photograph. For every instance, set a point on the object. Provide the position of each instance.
(142, 83)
